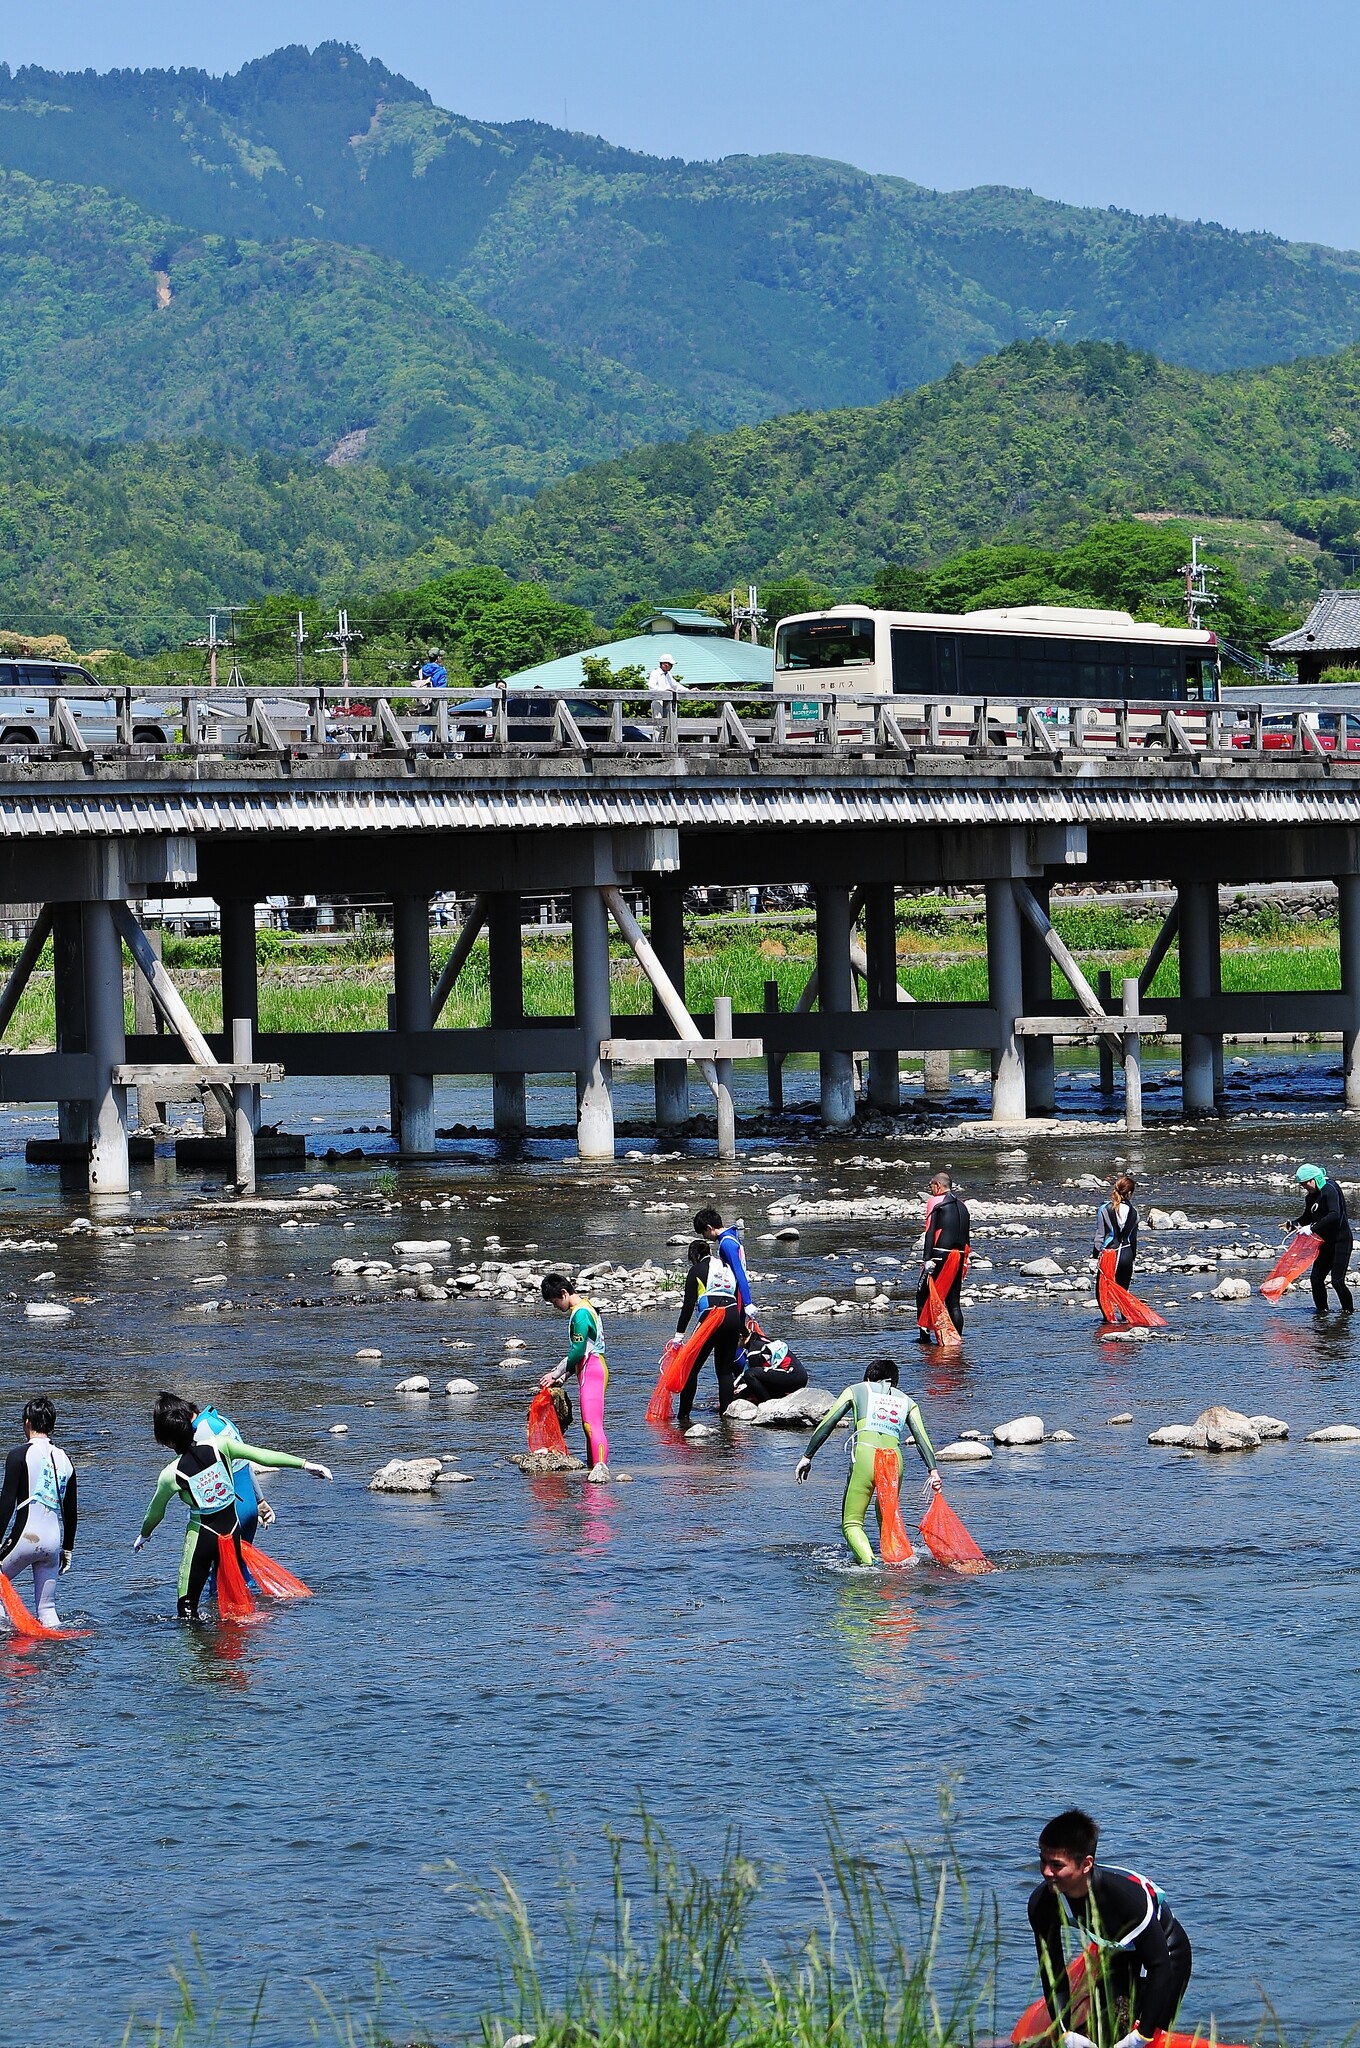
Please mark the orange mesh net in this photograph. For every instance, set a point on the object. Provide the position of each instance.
(1034, 2024)
(1117, 1305)
(1293, 1262)
(677, 1363)
(545, 1431)
(935, 1317)
(26, 1624)
(234, 1599)
(947, 1539)
(272, 1577)
(894, 1541)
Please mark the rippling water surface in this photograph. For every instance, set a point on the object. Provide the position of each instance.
(1171, 1641)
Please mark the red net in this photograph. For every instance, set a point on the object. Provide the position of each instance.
(1035, 2025)
(26, 1624)
(272, 1577)
(234, 1599)
(545, 1431)
(1293, 1262)
(947, 1539)
(894, 1542)
(934, 1316)
(677, 1363)
(1117, 1305)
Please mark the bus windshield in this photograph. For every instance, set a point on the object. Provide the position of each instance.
(825, 643)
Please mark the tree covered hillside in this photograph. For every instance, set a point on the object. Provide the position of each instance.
(1029, 443)
(745, 287)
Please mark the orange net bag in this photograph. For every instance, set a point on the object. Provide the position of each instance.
(1035, 2025)
(1117, 1304)
(935, 1317)
(235, 1601)
(272, 1577)
(948, 1541)
(894, 1542)
(677, 1363)
(1293, 1262)
(545, 1431)
(26, 1624)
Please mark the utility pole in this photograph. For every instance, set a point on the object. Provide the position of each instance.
(1198, 596)
(342, 635)
(299, 637)
(751, 614)
(212, 650)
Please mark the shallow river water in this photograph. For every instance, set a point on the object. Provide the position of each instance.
(1172, 1641)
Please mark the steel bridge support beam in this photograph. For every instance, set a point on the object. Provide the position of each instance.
(1348, 909)
(68, 977)
(833, 985)
(667, 907)
(1036, 979)
(1198, 900)
(105, 1035)
(413, 1094)
(1005, 987)
(880, 954)
(590, 985)
(509, 1113)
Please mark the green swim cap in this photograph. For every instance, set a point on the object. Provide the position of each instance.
(1316, 1174)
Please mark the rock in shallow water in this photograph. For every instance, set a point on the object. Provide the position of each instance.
(803, 1410)
(460, 1387)
(1334, 1433)
(1232, 1289)
(417, 1384)
(963, 1454)
(1026, 1429)
(1225, 1429)
(1042, 1269)
(546, 1461)
(816, 1305)
(740, 1411)
(407, 1475)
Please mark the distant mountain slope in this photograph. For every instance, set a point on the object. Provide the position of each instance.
(1031, 442)
(746, 287)
(131, 546)
(119, 323)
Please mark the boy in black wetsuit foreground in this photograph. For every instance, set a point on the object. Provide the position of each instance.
(1139, 1976)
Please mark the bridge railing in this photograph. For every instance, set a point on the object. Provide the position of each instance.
(412, 723)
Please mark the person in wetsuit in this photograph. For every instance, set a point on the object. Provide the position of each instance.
(1117, 1229)
(38, 1509)
(949, 1230)
(585, 1357)
(201, 1474)
(882, 1413)
(1324, 1213)
(770, 1371)
(720, 1282)
(1144, 1960)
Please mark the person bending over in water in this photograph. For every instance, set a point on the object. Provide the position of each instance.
(585, 1357)
(201, 1473)
(717, 1279)
(1324, 1213)
(881, 1414)
(770, 1371)
(1144, 1961)
(1117, 1229)
(38, 1509)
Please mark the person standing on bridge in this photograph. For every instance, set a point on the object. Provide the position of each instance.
(944, 1257)
(1324, 1213)
(433, 673)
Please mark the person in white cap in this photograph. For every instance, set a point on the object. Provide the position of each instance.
(663, 676)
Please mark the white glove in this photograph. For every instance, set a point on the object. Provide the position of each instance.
(804, 1467)
(318, 1471)
(934, 1482)
(556, 1378)
(1077, 2041)
(267, 1517)
(1133, 2039)
(139, 1542)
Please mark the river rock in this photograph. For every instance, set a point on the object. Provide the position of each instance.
(699, 1429)
(1227, 1430)
(408, 1247)
(803, 1410)
(1334, 1433)
(740, 1411)
(1042, 1269)
(417, 1384)
(963, 1453)
(788, 1235)
(1061, 1436)
(1159, 1219)
(534, 1462)
(407, 1475)
(1118, 1421)
(461, 1387)
(816, 1305)
(368, 1352)
(1026, 1429)
(48, 1311)
(1232, 1289)
(1177, 1436)
(1269, 1428)
(425, 1291)
(338, 1429)
(972, 1436)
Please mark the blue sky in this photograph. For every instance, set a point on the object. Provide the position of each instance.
(1232, 110)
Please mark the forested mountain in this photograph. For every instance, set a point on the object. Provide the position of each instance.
(368, 224)
(1030, 443)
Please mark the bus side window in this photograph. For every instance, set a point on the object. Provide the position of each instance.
(913, 666)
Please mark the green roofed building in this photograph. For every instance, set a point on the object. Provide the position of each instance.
(701, 650)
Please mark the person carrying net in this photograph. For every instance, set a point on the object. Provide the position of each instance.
(1324, 1213)
(38, 1509)
(585, 1357)
(882, 1414)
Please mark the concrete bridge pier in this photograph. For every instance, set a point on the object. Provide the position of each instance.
(412, 1010)
(107, 1045)
(68, 978)
(880, 948)
(833, 985)
(1348, 908)
(590, 985)
(1005, 986)
(240, 969)
(667, 907)
(1036, 979)
(509, 1113)
(1199, 958)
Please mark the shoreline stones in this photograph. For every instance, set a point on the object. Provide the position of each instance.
(407, 1475)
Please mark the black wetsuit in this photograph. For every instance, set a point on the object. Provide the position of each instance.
(720, 1282)
(950, 1229)
(1324, 1213)
(1144, 1962)
(767, 1381)
(1124, 1238)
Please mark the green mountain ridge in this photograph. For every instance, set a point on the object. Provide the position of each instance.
(669, 295)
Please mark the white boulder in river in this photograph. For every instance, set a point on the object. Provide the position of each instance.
(407, 1475)
(1026, 1429)
(803, 1410)
(417, 1384)
(963, 1454)
(411, 1247)
(1232, 1289)
(1335, 1433)
(48, 1311)
(1042, 1269)
(460, 1387)
(816, 1305)
(1227, 1430)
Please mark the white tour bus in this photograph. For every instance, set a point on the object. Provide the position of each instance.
(1049, 654)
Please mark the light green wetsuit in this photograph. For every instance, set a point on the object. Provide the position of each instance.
(230, 1449)
(882, 1413)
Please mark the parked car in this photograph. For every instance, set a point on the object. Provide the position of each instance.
(529, 719)
(25, 707)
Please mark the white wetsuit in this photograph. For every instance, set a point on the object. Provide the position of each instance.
(38, 1516)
